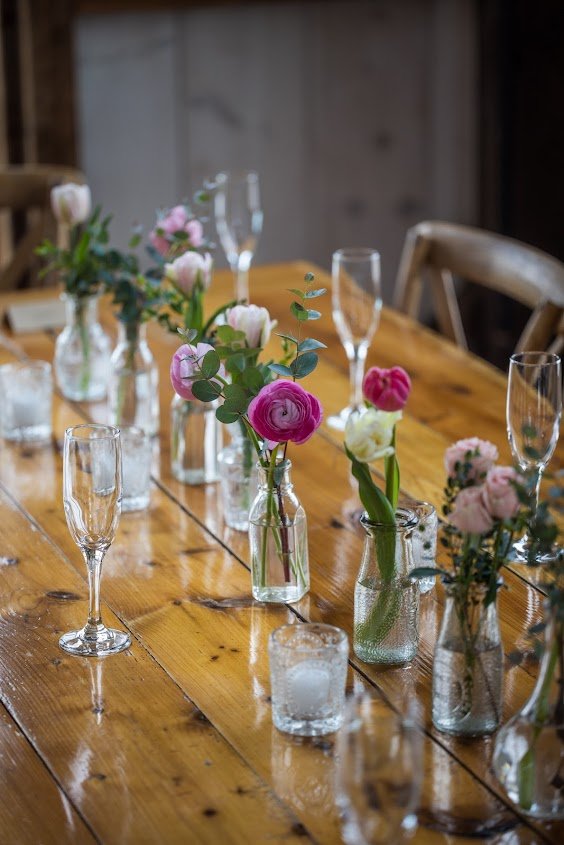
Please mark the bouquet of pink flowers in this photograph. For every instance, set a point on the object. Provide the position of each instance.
(273, 413)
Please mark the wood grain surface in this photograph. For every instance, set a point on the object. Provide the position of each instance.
(173, 740)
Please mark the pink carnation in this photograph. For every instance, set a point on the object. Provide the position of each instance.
(500, 495)
(470, 514)
(185, 365)
(285, 411)
(387, 390)
(176, 220)
(480, 463)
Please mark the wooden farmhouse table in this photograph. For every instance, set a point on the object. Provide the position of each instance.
(172, 741)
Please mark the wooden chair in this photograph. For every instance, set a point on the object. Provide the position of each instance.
(26, 210)
(441, 251)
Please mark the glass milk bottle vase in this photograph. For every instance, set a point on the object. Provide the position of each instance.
(133, 385)
(238, 477)
(529, 750)
(82, 351)
(196, 439)
(278, 538)
(386, 600)
(468, 664)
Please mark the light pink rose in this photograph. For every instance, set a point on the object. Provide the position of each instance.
(387, 390)
(470, 514)
(185, 271)
(282, 411)
(71, 203)
(176, 220)
(185, 365)
(500, 495)
(480, 464)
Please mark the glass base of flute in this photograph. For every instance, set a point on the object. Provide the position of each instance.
(357, 357)
(95, 644)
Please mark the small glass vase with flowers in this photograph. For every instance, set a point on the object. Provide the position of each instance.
(274, 413)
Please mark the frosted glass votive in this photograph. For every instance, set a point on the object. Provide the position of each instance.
(136, 468)
(26, 397)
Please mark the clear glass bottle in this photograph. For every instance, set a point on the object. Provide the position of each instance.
(468, 665)
(278, 539)
(386, 600)
(238, 477)
(529, 750)
(196, 440)
(82, 351)
(133, 384)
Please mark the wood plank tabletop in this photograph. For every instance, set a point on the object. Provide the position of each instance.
(172, 741)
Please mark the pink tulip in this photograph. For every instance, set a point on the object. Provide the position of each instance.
(500, 495)
(283, 410)
(254, 321)
(185, 271)
(184, 367)
(480, 463)
(470, 514)
(387, 390)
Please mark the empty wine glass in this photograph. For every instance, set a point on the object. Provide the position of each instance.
(238, 218)
(379, 770)
(92, 501)
(534, 406)
(356, 301)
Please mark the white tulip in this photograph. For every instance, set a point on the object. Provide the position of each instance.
(254, 321)
(368, 435)
(71, 203)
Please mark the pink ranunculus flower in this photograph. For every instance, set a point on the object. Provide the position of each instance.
(500, 495)
(254, 321)
(185, 365)
(176, 220)
(285, 411)
(185, 270)
(71, 203)
(470, 513)
(387, 390)
(481, 463)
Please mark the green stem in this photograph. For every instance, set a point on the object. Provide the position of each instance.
(85, 342)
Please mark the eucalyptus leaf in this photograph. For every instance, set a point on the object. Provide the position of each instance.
(226, 416)
(312, 315)
(311, 294)
(281, 369)
(304, 364)
(299, 312)
(310, 343)
(210, 364)
(205, 391)
(297, 292)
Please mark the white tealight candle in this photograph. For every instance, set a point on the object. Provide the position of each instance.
(308, 686)
(24, 409)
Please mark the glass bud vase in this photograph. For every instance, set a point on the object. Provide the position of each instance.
(82, 351)
(238, 477)
(468, 665)
(529, 750)
(278, 538)
(196, 439)
(133, 384)
(386, 600)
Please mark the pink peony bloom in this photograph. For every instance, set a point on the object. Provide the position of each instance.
(185, 365)
(185, 270)
(500, 495)
(480, 464)
(285, 411)
(470, 514)
(387, 390)
(71, 203)
(176, 220)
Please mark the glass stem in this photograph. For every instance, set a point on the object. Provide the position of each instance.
(539, 471)
(241, 273)
(94, 558)
(356, 366)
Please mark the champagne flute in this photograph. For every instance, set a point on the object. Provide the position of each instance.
(534, 406)
(379, 770)
(357, 302)
(238, 218)
(92, 501)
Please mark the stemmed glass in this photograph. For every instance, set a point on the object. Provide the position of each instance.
(379, 770)
(534, 406)
(92, 501)
(357, 301)
(238, 218)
